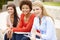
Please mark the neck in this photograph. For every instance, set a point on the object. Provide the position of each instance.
(41, 16)
(12, 15)
(27, 15)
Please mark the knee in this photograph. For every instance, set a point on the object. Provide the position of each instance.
(5, 37)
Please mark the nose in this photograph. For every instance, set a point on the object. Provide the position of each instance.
(35, 10)
(25, 9)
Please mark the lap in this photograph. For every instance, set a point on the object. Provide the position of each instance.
(25, 38)
(20, 37)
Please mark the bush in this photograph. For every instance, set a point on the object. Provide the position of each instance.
(3, 2)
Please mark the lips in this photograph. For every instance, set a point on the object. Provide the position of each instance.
(25, 12)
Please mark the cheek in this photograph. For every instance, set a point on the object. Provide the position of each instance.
(37, 11)
(10, 11)
(28, 10)
(40, 11)
(25, 10)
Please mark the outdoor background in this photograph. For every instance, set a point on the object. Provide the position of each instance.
(52, 7)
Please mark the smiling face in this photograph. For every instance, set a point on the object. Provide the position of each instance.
(10, 10)
(37, 10)
(25, 9)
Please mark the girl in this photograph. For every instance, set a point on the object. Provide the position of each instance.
(26, 21)
(12, 20)
(42, 22)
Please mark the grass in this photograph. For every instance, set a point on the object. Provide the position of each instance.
(52, 3)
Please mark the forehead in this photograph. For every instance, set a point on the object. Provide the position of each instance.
(25, 5)
(10, 8)
(34, 7)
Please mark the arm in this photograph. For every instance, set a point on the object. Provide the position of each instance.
(33, 34)
(28, 26)
(50, 29)
(33, 31)
(24, 29)
(8, 23)
(19, 25)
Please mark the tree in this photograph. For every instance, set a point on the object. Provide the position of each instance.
(3, 2)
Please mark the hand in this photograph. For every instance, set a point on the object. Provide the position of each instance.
(39, 34)
(9, 34)
(32, 38)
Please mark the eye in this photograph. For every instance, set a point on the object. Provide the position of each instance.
(22, 8)
(37, 9)
(33, 9)
(11, 9)
(7, 9)
(27, 8)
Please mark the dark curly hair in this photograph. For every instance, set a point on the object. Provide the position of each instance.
(26, 2)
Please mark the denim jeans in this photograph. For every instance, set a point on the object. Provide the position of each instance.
(20, 37)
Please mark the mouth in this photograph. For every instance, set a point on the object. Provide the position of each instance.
(25, 12)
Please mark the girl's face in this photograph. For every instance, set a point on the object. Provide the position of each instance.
(37, 10)
(10, 10)
(25, 9)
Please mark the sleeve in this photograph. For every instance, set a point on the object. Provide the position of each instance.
(29, 25)
(9, 24)
(19, 25)
(27, 28)
(49, 30)
(34, 23)
(33, 30)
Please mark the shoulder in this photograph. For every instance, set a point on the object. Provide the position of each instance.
(33, 14)
(48, 19)
(8, 17)
(36, 19)
(22, 15)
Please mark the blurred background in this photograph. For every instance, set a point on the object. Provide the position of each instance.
(52, 7)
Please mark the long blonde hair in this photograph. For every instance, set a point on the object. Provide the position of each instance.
(40, 4)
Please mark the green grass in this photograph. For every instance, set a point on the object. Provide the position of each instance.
(52, 3)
